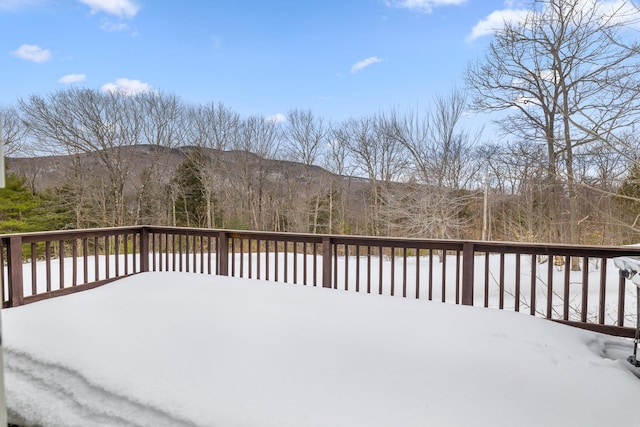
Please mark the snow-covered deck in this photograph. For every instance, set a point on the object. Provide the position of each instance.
(231, 351)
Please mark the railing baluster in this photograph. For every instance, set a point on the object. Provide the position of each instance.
(242, 242)
(276, 256)
(501, 298)
(304, 263)
(534, 278)
(368, 269)
(603, 291)
(357, 268)
(585, 288)
(34, 286)
(444, 275)
(487, 268)
(85, 259)
(125, 252)
(258, 263)
(417, 273)
(393, 270)
(250, 258)
(286, 261)
(47, 249)
(166, 252)
(346, 267)
(621, 297)
(209, 254)
(457, 277)
(136, 239)
(96, 259)
(567, 281)
(74, 252)
(154, 251)
(266, 259)
(107, 251)
(380, 259)
(404, 272)
(315, 264)
(295, 261)
(233, 256)
(61, 263)
(550, 263)
(117, 253)
(430, 274)
(201, 254)
(517, 291)
(194, 255)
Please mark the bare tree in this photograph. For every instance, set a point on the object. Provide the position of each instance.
(443, 168)
(161, 119)
(378, 156)
(562, 76)
(257, 143)
(100, 125)
(305, 137)
(337, 162)
(518, 183)
(14, 132)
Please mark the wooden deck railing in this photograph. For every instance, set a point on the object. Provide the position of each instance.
(531, 278)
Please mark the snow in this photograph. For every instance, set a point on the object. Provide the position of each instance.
(183, 349)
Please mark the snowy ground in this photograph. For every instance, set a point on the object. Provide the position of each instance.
(178, 349)
(362, 272)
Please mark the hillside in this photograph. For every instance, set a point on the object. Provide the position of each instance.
(243, 185)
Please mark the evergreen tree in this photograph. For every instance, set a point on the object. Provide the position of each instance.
(22, 211)
(190, 202)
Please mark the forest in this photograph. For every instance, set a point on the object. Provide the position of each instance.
(562, 165)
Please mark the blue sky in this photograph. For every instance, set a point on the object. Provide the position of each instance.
(339, 58)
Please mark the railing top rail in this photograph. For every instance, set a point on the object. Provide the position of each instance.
(555, 249)
(43, 236)
(250, 234)
(401, 242)
(417, 243)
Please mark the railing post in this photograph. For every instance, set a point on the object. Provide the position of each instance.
(144, 249)
(16, 293)
(326, 262)
(223, 254)
(468, 254)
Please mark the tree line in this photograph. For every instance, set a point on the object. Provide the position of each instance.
(563, 167)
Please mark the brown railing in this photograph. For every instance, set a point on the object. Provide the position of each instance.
(531, 278)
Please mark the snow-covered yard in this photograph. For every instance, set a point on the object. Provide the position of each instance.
(179, 349)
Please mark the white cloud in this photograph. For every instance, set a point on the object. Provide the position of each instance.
(119, 8)
(425, 6)
(610, 10)
(277, 118)
(495, 21)
(33, 53)
(72, 78)
(365, 63)
(127, 87)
